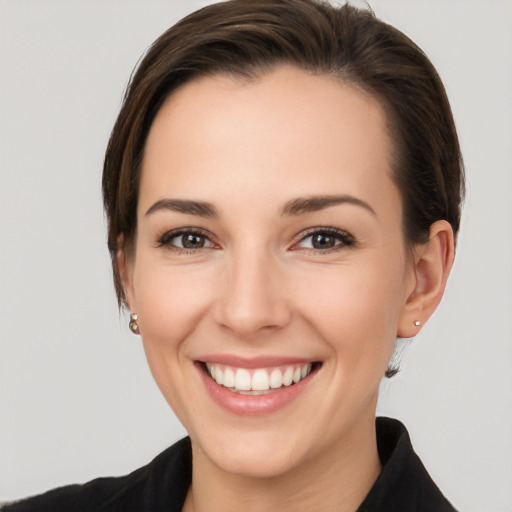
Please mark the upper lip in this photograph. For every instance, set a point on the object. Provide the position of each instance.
(253, 362)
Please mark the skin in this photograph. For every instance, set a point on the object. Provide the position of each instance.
(258, 287)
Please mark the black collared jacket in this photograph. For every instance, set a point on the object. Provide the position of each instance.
(403, 485)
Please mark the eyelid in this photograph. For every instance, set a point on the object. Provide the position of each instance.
(345, 238)
(164, 239)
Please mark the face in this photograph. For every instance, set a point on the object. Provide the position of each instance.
(269, 253)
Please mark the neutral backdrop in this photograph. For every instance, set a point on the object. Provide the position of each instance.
(77, 400)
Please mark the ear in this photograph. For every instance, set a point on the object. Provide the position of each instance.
(433, 262)
(125, 259)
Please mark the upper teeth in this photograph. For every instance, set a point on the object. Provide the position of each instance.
(260, 379)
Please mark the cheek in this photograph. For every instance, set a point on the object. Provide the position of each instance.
(355, 308)
(170, 302)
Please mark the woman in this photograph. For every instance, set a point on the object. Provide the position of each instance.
(283, 189)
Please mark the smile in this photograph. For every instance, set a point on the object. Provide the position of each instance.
(257, 386)
(257, 381)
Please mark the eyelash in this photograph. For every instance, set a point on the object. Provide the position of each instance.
(344, 238)
(165, 240)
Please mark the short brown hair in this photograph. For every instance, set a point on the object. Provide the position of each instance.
(245, 38)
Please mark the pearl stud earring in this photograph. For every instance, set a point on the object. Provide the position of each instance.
(133, 324)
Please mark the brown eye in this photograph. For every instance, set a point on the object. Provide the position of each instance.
(323, 241)
(192, 241)
(326, 239)
(183, 239)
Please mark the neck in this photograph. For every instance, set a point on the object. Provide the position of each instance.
(336, 480)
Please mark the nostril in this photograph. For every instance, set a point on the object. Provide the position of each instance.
(249, 321)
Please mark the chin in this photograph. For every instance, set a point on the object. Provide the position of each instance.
(263, 455)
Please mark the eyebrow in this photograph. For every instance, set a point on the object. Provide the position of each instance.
(303, 205)
(296, 206)
(200, 208)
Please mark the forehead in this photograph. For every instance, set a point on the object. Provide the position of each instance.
(304, 131)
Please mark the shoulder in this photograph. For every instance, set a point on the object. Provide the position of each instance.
(160, 485)
(404, 484)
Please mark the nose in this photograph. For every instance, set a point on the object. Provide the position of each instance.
(253, 298)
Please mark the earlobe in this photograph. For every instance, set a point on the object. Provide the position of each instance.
(125, 268)
(433, 261)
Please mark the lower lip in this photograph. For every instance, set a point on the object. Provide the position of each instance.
(253, 405)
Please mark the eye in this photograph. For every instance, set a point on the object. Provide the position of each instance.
(326, 239)
(185, 239)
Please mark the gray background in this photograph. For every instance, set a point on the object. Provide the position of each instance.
(77, 399)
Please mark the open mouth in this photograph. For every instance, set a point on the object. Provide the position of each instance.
(258, 381)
